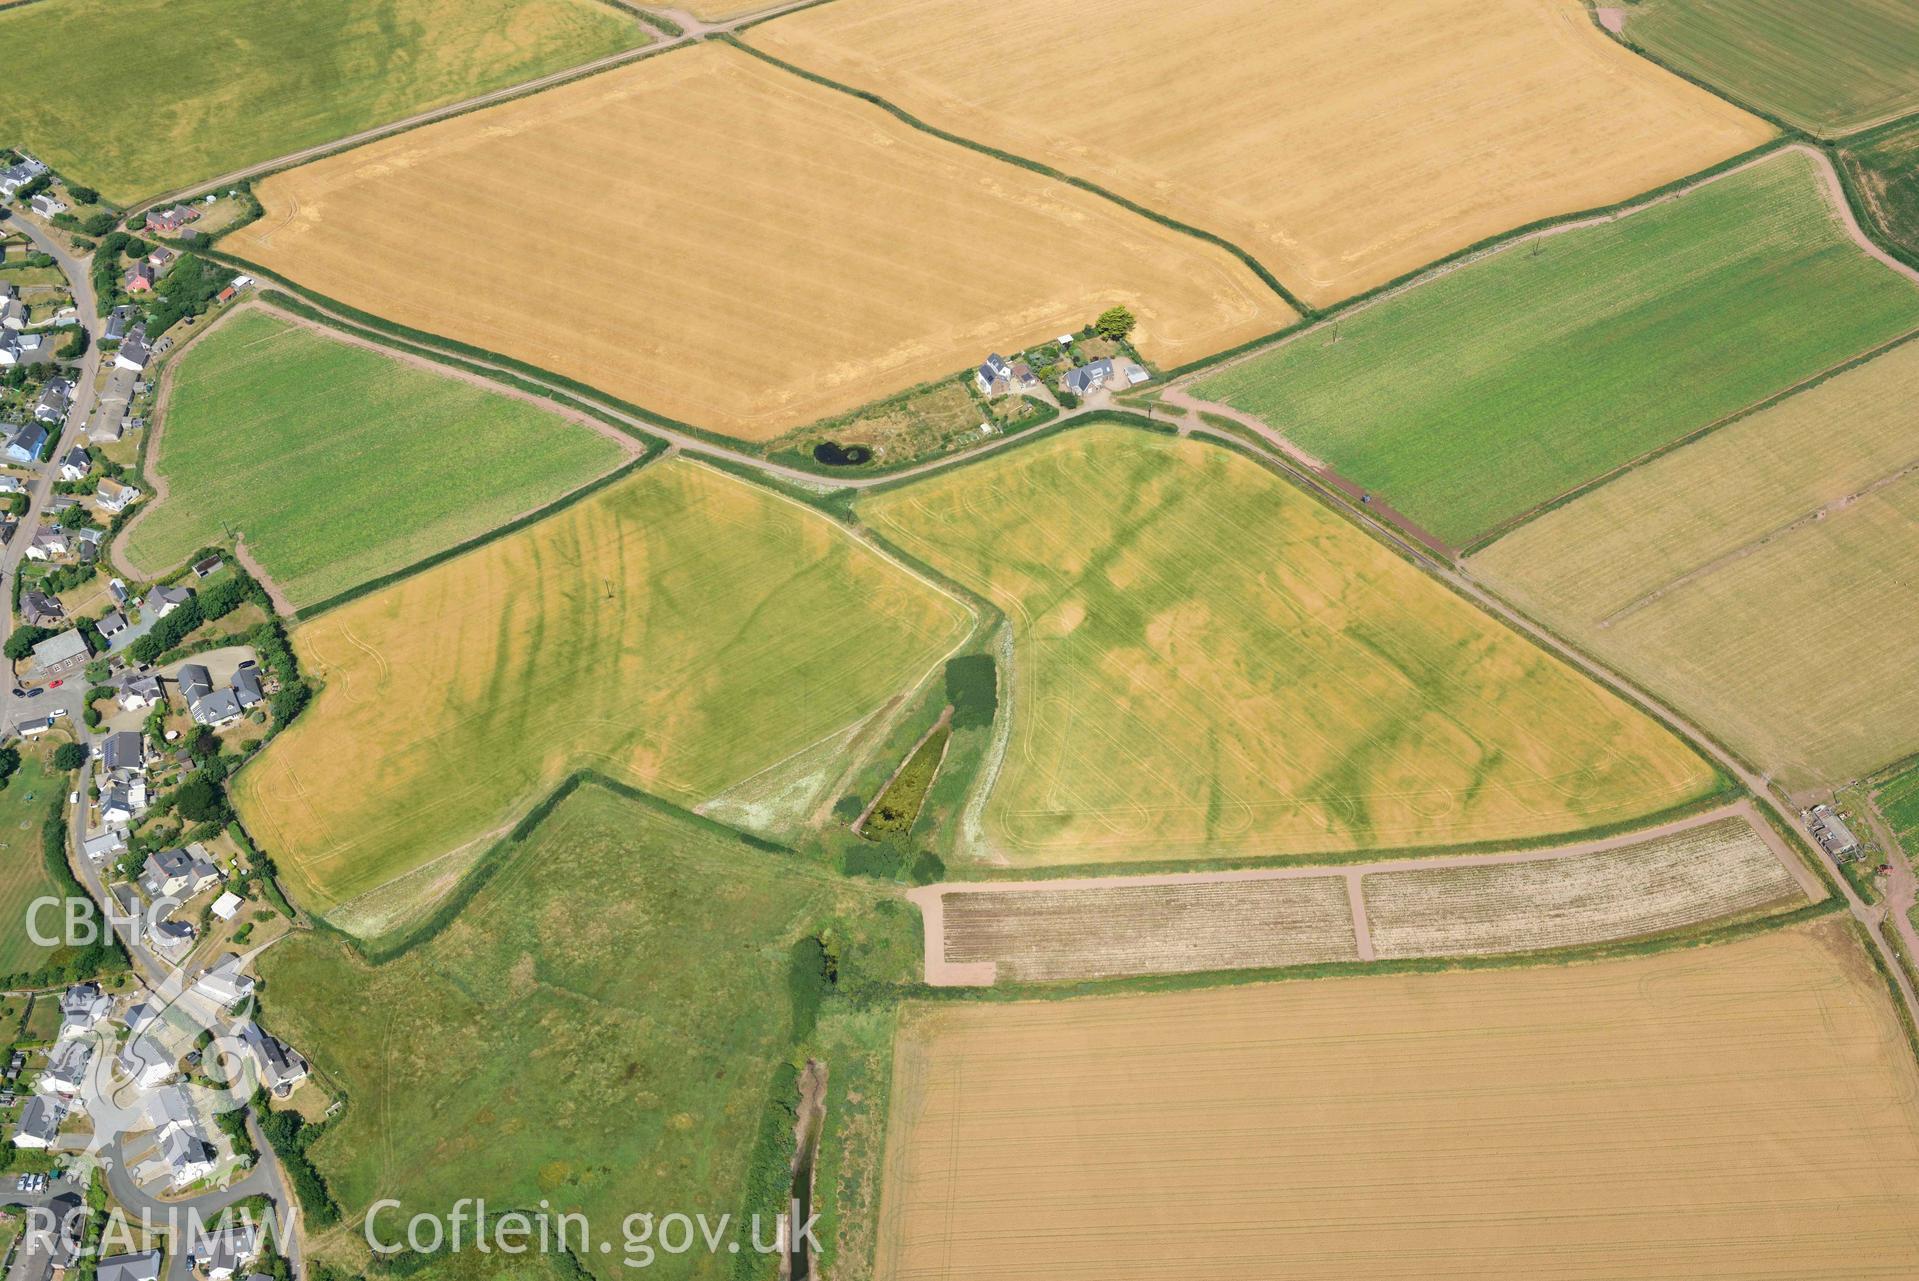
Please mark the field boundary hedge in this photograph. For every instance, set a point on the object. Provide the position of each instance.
(1698, 82)
(905, 117)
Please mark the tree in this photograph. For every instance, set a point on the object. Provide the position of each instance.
(1115, 322)
(9, 762)
(69, 756)
(199, 801)
(83, 195)
(21, 643)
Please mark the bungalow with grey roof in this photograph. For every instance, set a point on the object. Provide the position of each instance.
(124, 749)
(55, 399)
(25, 349)
(66, 1071)
(75, 464)
(144, 1266)
(111, 624)
(117, 323)
(40, 609)
(227, 1251)
(171, 939)
(177, 873)
(40, 1122)
(1088, 378)
(100, 848)
(139, 692)
(225, 984)
(162, 601)
(281, 1067)
(182, 1157)
(195, 681)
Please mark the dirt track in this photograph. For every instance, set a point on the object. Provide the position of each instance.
(930, 899)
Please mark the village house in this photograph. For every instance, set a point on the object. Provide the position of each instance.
(172, 938)
(225, 985)
(133, 354)
(171, 219)
(195, 682)
(40, 1122)
(139, 692)
(115, 497)
(65, 1074)
(144, 1266)
(111, 624)
(995, 377)
(123, 800)
(25, 349)
(123, 750)
(81, 1007)
(117, 322)
(227, 1251)
(1088, 378)
(40, 609)
(140, 278)
(60, 654)
(55, 399)
(178, 873)
(46, 204)
(25, 443)
(75, 464)
(99, 849)
(162, 601)
(143, 1059)
(181, 1157)
(281, 1067)
(13, 312)
(16, 176)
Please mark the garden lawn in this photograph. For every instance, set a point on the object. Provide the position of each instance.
(1475, 397)
(338, 464)
(680, 629)
(136, 97)
(24, 805)
(1825, 65)
(598, 1028)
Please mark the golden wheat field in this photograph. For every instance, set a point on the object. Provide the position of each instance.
(679, 630)
(1265, 123)
(1759, 578)
(727, 244)
(1743, 1110)
(1717, 869)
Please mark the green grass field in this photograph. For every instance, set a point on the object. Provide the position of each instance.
(1758, 579)
(1884, 167)
(1209, 662)
(24, 804)
(680, 629)
(1825, 65)
(1898, 799)
(338, 464)
(137, 97)
(1471, 399)
(598, 1027)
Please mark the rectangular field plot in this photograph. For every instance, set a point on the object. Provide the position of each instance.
(1720, 869)
(215, 85)
(679, 630)
(730, 245)
(1208, 661)
(1085, 933)
(1745, 1110)
(338, 463)
(1758, 578)
(1339, 144)
(1830, 66)
(1473, 398)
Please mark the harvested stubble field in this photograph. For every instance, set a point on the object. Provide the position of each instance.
(1208, 661)
(736, 247)
(1732, 1111)
(1473, 398)
(599, 1026)
(680, 630)
(1759, 578)
(338, 463)
(218, 84)
(1829, 66)
(1102, 932)
(1721, 869)
(1263, 123)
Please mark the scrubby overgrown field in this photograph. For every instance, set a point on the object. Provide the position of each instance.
(1723, 1112)
(1759, 578)
(1209, 662)
(1273, 125)
(337, 463)
(680, 630)
(600, 1026)
(137, 97)
(1474, 398)
(1721, 869)
(731, 245)
(1825, 65)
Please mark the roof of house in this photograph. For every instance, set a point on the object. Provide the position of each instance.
(194, 680)
(246, 687)
(221, 705)
(40, 1118)
(29, 438)
(164, 595)
(123, 749)
(144, 1266)
(38, 604)
(112, 623)
(60, 648)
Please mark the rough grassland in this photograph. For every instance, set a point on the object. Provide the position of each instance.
(1151, 929)
(1473, 398)
(1723, 869)
(598, 1027)
(1824, 65)
(680, 630)
(24, 804)
(1885, 169)
(736, 247)
(1744, 1110)
(337, 464)
(1208, 662)
(1759, 578)
(136, 97)
(1266, 124)
(1898, 801)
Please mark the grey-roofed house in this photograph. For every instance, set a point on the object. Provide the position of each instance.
(246, 687)
(60, 653)
(25, 349)
(162, 601)
(227, 1251)
(12, 485)
(172, 938)
(183, 1157)
(55, 399)
(144, 1266)
(117, 323)
(111, 624)
(217, 710)
(1088, 378)
(75, 464)
(139, 692)
(226, 984)
(195, 681)
(177, 872)
(124, 749)
(66, 1069)
(995, 376)
(48, 542)
(104, 846)
(82, 1006)
(281, 1067)
(133, 353)
(40, 609)
(24, 446)
(39, 1123)
(16, 176)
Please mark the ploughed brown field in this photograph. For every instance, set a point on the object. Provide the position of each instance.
(1265, 123)
(722, 242)
(1750, 1109)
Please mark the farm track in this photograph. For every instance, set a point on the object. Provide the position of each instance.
(930, 899)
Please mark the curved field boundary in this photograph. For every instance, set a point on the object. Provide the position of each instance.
(1046, 171)
(1097, 909)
